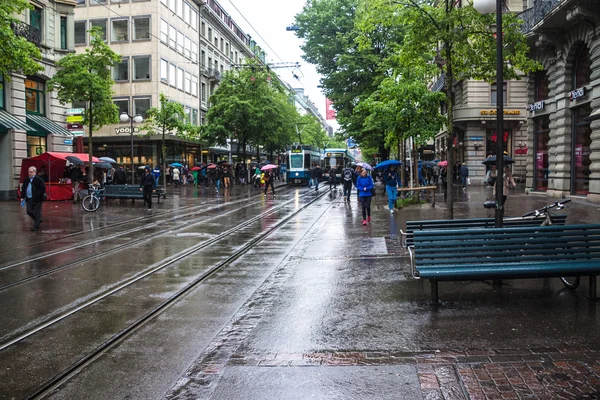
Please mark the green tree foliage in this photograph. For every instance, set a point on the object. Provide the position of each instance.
(168, 118)
(16, 53)
(251, 107)
(87, 77)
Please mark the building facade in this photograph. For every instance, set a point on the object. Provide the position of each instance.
(564, 98)
(32, 121)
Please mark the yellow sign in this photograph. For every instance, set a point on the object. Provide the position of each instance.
(74, 118)
(506, 112)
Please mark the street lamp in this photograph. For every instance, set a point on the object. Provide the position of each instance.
(229, 146)
(138, 119)
(487, 7)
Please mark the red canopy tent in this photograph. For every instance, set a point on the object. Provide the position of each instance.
(54, 164)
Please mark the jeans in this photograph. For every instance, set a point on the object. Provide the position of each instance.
(218, 185)
(392, 193)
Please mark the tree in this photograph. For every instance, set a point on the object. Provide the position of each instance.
(250, 106)
(170, 117)
(460, 37)
(87, 77)
(16, 52)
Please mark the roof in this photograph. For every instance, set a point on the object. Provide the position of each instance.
(9, 121)
(46, 125)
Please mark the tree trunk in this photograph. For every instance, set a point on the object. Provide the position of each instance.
(90, 148)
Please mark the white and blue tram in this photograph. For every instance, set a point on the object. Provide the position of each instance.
(335, 160)
(301, 160)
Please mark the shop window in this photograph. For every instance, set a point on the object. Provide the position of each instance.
(102, 24)
(141, 28)
(36, 145)
(164, 32)
(123, 105)
(494, 94)
(581, 151)
(164, 71)
(541, 138)
(492, 140)
(141, 106)
(172, 37)
(141, 68)
(35, 97)
(63, 32)
(80, 33)
(2, 87)
(121, 71)
(172, 75)
(542, 90)
(120, 30)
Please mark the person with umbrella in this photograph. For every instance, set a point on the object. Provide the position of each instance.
(392, 181)
(147, 186)
(364, 185)
(508, 182)
(175, 173)
(218, 175)
(268, 178)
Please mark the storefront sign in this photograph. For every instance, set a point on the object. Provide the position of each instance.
(537, 106)
(74, 118)
(476, 138)
(579, 155)
(77, 133)
(126, 130)
(494, 112)
(75, 111)
(577, 93)
(68, 141)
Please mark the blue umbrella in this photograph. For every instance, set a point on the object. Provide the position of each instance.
(388, 163)
(176, 164)
(428, 163)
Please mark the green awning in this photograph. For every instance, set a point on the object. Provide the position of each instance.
(46, 125)
(9, 121)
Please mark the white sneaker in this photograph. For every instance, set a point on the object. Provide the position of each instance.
(391, 211)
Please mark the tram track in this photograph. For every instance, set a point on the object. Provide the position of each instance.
(60, 377)
(153, 269)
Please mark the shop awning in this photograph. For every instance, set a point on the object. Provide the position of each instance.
(47, 126)
(9, 121)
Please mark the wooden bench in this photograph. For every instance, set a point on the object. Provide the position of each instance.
(129, 192)
(508, 222)
(429, 189)
(506, 253)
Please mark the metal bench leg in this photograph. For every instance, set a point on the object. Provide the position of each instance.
(593, 285)
(434, 291)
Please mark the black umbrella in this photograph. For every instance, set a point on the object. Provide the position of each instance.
(491, 160)
(74, 160)
(103, 165)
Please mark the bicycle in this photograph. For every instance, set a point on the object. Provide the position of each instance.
(572, 282)
(91, 202)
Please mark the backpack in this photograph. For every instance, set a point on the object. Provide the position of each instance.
(348, 175)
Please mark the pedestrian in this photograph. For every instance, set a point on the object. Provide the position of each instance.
(464, 176)
(391, 186)
(332, 178)
(76, 176)
(317, 175)
(168, 175)
(218, 177)
(508, 183)
(347, 178)
(364, 184)
(227, 177)
(147, 186)
(269, 177)
(120, 176)
(184, 174)
(175, 174)
(32, 195)
(156, 173)
(195, 175)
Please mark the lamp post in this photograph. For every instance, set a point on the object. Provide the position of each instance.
(124, 117)
(487, 7)
(229, 147)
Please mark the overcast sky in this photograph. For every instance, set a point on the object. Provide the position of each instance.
(265, 21)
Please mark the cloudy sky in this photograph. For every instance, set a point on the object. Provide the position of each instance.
(265, 21)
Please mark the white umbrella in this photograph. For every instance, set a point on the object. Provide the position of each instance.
(108, 159)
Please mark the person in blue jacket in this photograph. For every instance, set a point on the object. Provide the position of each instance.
(392, 181)
(364, 185)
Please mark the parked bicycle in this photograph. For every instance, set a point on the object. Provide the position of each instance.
(91, 202)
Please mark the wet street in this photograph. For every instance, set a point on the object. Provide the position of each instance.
(247, 296)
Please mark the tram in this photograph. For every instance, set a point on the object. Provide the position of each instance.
(335, 160)
(301, 159)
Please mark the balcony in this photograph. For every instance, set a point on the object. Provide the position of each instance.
(28, 32)
(212, 73)
(534, 15)
(439, 84)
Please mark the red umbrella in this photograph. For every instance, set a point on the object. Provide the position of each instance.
(196, 169)
(211, 166)
(443, 163)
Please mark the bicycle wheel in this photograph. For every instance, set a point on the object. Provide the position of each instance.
(90, 203)
(572, 282)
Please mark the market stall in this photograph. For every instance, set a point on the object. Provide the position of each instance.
(54, 164)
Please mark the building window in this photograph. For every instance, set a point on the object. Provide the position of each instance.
(188, 47)
(179, 79)
(2, 86)
(194, 20)
(222, 44)
(203, 29)
(141, 68)
(121, 71)
(186, 13)
(36, 145)
(194, 52)
(118, 1)
(164, 71)
(203, 58)
(35, 97)
(195, 86)
(35, 18)
(122, 104)
(179, 4)
(96, 2)
(236, 57)
(227, 49)
(80, 32)
(172, 5)
(194, 117)
(141, 106)
(542, 90)
(102, 24)
(210, 34)
(216, 42)
(581, 68)
(203, 91)
(494, 95)
(63, 33)
(120, 30)
(172, 36)
(141, 28)
(164, 2)
(81, 2)
(180, 42)
(188, 82)
(172, 75)
(164, 32)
